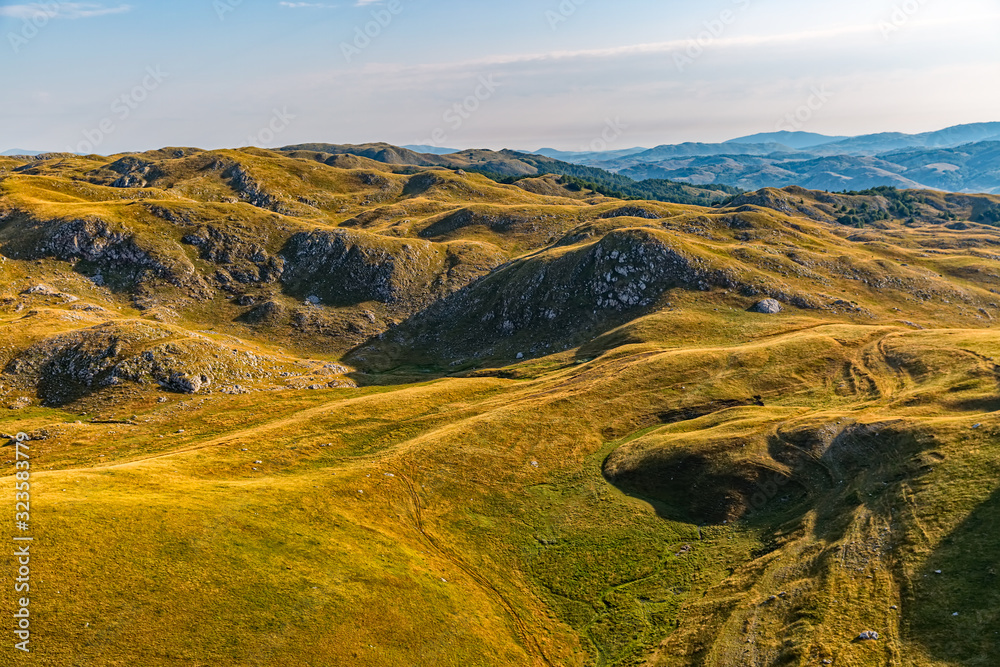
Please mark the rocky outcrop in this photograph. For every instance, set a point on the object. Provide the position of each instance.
(240, 258)
(563, 296)
(184, 383)
(345, 267)
(471, 217)
(94, 241)
(552, 297)
(254, 192)
(117, 253)
(134, 172)
(69, 366)
(269, 312)
(631, 212)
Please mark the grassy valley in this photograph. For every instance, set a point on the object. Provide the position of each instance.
(336, 405)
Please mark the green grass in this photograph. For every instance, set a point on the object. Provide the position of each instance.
(682, 484)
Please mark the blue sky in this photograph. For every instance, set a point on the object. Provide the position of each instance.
(570, 74)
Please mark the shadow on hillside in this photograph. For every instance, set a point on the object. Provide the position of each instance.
(427, 352)
(845, 465)
(989, 404)
(830, 469)
(704, 485)
(969, 585)
(121, 278)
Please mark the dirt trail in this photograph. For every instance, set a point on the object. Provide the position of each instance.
(244, 434)
(527, 638)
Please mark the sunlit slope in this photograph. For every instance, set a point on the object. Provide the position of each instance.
(229, 472)
(837, 497)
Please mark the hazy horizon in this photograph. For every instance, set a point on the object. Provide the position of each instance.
(616, 147)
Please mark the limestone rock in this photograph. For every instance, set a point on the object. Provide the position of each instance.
(766, 306)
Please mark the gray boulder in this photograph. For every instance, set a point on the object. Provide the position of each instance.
(766, 306)
(43, 290)
(184, 383)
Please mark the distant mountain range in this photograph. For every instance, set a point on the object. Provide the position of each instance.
(431, 150)
(710, 171)
(964, 158)
(566, 156)
(796, 140)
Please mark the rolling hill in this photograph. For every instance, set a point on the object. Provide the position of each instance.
(512, 166)
(359, 405)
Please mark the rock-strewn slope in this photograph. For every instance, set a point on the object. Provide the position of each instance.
(123, 354)
(409, 261)
(578, 439)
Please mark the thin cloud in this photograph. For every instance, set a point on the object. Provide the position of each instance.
(305, 5)
(661, 48)
(61, 10)
(650, 48)
(653, 48)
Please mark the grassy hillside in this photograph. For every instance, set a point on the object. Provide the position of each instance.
(314, 409)
(508, 166)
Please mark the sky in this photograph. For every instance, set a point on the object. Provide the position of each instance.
(109, 77)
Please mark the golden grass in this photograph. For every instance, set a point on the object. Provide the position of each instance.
(783, 481)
